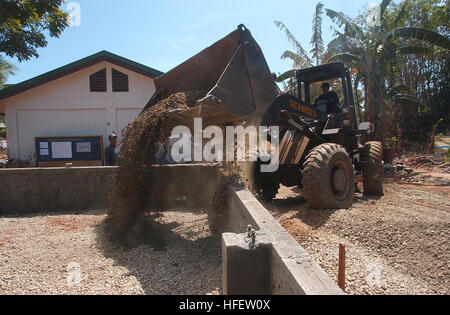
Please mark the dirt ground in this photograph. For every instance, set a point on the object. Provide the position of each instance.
(396, 244)
(69, 254)
(427, 170)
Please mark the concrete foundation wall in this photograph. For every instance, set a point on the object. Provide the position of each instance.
(24, 191)
(291, 271)
(187, 186)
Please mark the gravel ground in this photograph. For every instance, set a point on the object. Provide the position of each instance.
(69, 254)
(396, 244)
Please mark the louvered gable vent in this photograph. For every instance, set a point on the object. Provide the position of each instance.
(120, 81)
(98, 81)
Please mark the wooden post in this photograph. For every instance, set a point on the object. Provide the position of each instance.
(341, 271)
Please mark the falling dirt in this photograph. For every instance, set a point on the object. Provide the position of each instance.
(133, 190)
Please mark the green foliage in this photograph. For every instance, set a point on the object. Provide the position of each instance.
(422, 34)
(24, 25)
(390, 143)
(414, 50)
(288, 82)
(447, 157)
(285, 76)
(6, 69)
(317, 40)
(378, 52)
(429, 75)
(300, 56)
(437, 124)
(2, 130)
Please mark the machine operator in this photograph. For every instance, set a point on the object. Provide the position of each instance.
(330, 98)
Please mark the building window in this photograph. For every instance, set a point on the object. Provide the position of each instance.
(120, 81)
(98, 81)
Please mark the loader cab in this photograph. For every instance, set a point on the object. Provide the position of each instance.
(309, 87)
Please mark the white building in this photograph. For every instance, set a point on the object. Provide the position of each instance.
(96, 95)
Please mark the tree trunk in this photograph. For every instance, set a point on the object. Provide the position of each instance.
(375, 103)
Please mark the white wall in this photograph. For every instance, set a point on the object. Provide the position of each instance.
(124, 116)
(66, 107)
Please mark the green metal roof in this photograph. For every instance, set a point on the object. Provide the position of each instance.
(5, 86)
(104, 55)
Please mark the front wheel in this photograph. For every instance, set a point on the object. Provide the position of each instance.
(328, 178)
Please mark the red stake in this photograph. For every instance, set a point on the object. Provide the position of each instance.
(341, 272)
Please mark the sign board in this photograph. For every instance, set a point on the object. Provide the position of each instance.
(442, 145)
(80, 151)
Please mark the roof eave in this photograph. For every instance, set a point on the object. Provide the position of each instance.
(75, 67)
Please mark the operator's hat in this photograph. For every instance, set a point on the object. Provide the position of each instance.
(325, 84)
(112, 136)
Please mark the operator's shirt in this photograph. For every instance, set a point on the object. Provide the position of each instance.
(110, 156)
(332, 102)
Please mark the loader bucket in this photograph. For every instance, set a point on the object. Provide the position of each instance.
(234, 72)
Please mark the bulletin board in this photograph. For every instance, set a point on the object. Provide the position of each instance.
(58, 151)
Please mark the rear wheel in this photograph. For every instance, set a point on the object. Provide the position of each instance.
(372, 170)
(328, 177)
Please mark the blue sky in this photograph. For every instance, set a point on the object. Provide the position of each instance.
(163, 34)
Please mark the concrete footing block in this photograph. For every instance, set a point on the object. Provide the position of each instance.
(281, 261)
(246, 266)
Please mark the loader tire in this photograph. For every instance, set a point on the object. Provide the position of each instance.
(372, 170)
(328, 178)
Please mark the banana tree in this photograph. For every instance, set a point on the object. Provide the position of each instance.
(374, 50)
(6, 69)
(300, 57)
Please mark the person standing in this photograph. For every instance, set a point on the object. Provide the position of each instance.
(111, 157)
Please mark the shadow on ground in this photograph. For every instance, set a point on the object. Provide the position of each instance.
(172, 260)
(291, 200)
(362, 198)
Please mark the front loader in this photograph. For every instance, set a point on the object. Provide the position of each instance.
(319, 152)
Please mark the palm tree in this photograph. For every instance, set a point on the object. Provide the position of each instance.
(316, 40)
(6, 69)
(375, 51)
(300, 57)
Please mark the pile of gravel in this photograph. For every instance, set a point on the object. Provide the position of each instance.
(70, 254)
